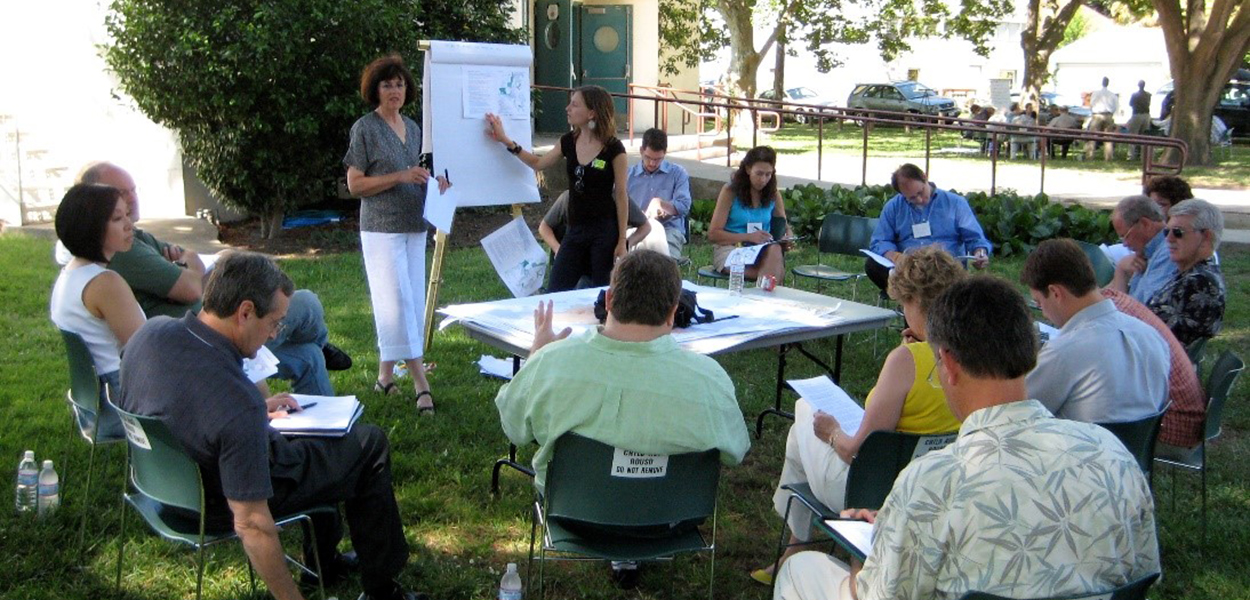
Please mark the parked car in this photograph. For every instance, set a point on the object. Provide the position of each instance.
(901, 96)
(1233, 107)
(806, 100)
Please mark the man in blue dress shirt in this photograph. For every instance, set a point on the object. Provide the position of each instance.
(1139, 222)
(661, 189)
(920, 215)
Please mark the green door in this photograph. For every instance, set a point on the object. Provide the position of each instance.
(604, 51)
(553, 62)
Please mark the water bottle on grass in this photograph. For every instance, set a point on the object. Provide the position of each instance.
(27, 484)
(510, 585)
(49, 490)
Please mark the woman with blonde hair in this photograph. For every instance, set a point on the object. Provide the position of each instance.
(598, 205)
(907, 398)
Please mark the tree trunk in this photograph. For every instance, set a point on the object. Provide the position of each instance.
(1039, 39)
(1205, 42)
(743, 59)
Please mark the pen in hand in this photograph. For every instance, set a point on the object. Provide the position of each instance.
(447, 176)
(307, 406)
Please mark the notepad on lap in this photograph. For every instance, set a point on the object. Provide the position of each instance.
(825, 395)
(332, 416)
(855, 536)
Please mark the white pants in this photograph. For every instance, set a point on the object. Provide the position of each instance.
(813, 576)
(395, 265)
(811, 460)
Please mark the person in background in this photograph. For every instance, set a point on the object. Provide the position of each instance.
(1102, 105)
(920, 215)
(819, 453)
(745, 210)
(555, 223)
(598, 203)
(1139, 123)
(1063, 120)
(384, 170)
(1139, 222)
(90, 300)
(1192, 303)
(661, 189)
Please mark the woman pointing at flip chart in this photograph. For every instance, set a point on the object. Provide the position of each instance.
(596, 164)
(382, 170)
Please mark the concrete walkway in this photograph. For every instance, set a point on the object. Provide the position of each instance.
(189, 232)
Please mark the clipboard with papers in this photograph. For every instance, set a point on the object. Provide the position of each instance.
(322, 416)
(853, 535)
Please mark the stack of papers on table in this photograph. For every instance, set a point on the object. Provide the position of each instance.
(331, 416)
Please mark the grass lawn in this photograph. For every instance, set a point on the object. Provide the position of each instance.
(461, 538)
(1230, 172)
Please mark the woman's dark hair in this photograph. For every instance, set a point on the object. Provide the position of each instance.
(740, 183)
(599, 101)
(83, 218)
(385, 69)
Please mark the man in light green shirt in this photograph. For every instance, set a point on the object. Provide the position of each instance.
(628, 384)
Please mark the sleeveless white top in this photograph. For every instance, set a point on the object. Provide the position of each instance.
(70, 314)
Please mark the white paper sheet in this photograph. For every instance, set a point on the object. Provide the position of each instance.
(825, 396)
(493, 366)
(504, 91)
(517, 257)
(265, 365)
(857, 533)
(748, 254)
(1048, 332)
(881, 260)
(1115, 252)
(440, 209)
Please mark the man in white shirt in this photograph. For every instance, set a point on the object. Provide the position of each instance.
(1103, 104)
(1105, 366)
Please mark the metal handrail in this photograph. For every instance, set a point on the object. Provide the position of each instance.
(928, 123)
(671, 98)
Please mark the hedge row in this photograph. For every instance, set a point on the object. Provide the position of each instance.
(1015, 223)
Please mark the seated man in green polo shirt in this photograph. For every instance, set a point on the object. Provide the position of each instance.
(169, 280)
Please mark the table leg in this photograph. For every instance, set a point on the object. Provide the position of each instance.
(835, 373)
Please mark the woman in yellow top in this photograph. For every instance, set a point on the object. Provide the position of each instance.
(819, 452)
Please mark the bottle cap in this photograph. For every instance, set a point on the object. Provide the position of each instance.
(30, 455)
(47, 464)
(511, 566)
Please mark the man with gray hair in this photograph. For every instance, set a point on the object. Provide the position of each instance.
(1192, 302)
(187, 372)
(1138, 221)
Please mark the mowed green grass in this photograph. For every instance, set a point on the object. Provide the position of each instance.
(461, 537)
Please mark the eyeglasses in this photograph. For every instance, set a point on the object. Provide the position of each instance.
(937, 360)
(1177, 232)
(1129, 231)
(579, 171)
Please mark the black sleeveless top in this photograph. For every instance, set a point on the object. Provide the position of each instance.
(591, 184)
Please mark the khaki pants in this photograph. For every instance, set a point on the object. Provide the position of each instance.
(813, 576)
(1101, 122)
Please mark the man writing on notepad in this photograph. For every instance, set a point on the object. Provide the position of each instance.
(921, 215)
(966, 518)
(188, 373)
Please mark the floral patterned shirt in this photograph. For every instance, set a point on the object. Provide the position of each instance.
(1022, 505)
(1192, 303)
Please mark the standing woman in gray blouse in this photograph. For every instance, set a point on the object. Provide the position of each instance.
(382, 170)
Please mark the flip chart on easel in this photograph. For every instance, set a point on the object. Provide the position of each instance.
(462, 82)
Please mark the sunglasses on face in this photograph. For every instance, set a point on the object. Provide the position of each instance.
(1177, 232)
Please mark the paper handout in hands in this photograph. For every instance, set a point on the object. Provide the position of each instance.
(881, 260)
(825, 395)
(440, 208)
(854, 536)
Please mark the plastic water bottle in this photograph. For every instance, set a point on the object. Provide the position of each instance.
(510, 585)
(737, 274)
(27, 483)
(49, 489)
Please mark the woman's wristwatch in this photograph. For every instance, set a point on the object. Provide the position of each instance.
(515, 148)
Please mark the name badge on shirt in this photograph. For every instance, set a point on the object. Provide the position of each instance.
(921, 230)
(598, 164)
(754, 227)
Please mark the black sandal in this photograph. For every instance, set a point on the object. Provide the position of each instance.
(385, 389)
(424, 410)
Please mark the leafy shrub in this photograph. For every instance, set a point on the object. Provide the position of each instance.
(1014, 223)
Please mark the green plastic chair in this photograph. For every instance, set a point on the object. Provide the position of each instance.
(844, 235)
(882, 456)
(1104, 271)
(169, 495)
(1197, 350)
(590, 513)
(1139, 438)
(1134, 590)
(83, 398)
(1223, 376)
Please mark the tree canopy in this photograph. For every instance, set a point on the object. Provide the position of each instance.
(262, 95)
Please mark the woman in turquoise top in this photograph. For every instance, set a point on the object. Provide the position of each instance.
(744, 212)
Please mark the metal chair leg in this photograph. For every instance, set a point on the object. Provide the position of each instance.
(86, 499)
